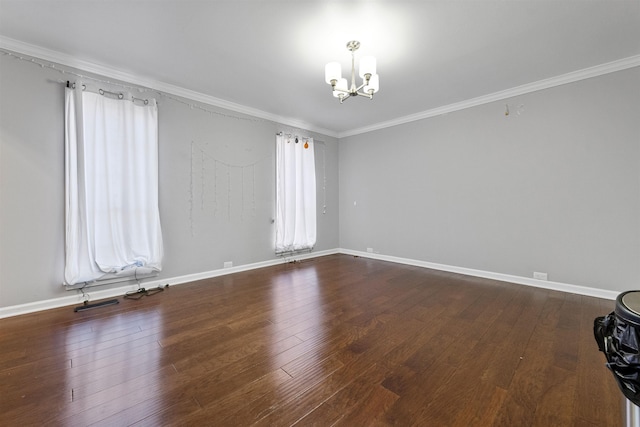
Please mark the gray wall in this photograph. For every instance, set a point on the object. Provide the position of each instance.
(555, 189)
(207, 217)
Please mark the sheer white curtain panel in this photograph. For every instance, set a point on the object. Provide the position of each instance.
(111, 186)
(295, 194)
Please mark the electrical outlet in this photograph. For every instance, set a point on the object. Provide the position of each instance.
(228, 264)
(370, 250)
(539, 276)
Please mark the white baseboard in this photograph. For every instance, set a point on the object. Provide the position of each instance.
(95, 294)
(556, 286)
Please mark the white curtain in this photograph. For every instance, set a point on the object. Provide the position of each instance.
(111, 185)
(295, 194)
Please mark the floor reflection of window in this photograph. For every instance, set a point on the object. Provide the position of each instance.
(114, 360)
(297, 310)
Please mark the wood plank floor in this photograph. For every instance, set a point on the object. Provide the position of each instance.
(336, 340)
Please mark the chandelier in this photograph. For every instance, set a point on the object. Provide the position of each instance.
(367, 71)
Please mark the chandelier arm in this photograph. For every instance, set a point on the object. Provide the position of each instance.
(361, 86)
(367, 95)
(342, 98)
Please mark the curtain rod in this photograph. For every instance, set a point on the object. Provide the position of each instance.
(315, 141)
(292, 134)
(120, 95)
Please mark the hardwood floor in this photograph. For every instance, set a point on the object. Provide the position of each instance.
(336, 340)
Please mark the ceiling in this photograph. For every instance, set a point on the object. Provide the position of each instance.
(269, 55)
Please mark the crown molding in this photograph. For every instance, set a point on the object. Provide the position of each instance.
(574, 76)
(110, 72)
(114, 73)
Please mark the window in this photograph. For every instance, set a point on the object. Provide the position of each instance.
(295, 194)
(111, 185)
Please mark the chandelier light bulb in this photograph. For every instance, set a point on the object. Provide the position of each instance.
(332, 71)
(367, 66)
(341, 88)
(373, 86)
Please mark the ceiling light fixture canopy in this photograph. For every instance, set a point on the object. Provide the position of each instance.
(367, 71)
